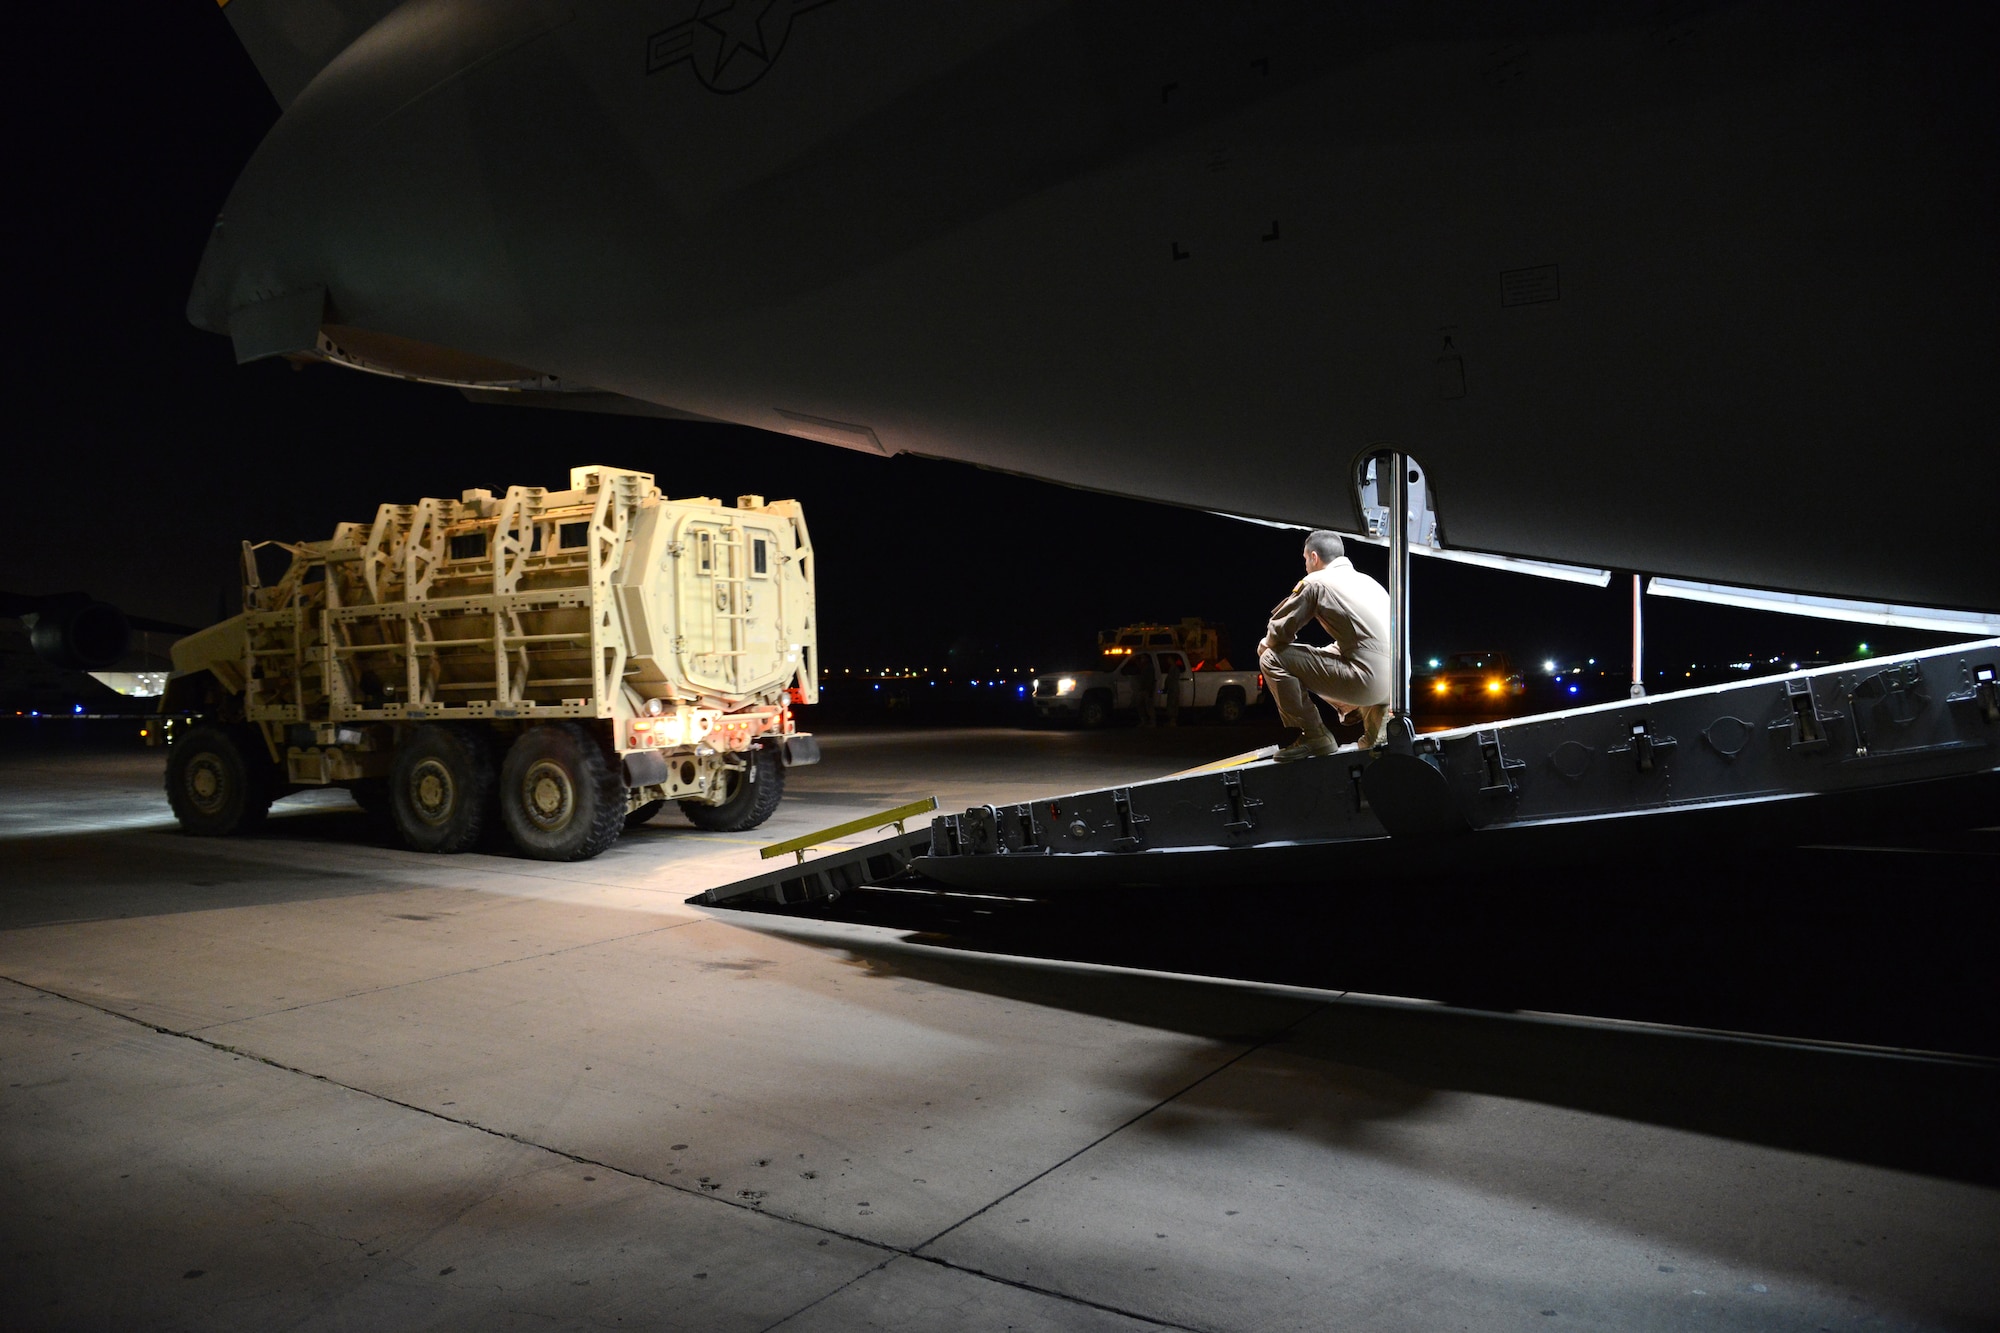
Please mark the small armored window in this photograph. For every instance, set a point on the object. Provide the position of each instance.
(760, 558)
(704, 551)
(572, 535)
(468, 546)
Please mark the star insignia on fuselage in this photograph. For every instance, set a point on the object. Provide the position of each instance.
(730, 44)
(740, 25)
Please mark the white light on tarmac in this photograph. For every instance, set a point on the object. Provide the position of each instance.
(134, 684)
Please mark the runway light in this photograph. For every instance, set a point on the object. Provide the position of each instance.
(1572, 689)
(1434, 664)
(77, 709)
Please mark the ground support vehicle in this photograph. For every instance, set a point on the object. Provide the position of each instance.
(1201, 641)
(1093, 698)
(559, 662)
(1470, 683)
(1670, 776)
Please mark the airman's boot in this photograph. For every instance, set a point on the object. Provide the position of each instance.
(1374, 721)
(1309, 745)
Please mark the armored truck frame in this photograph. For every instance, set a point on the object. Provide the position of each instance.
(557, 663)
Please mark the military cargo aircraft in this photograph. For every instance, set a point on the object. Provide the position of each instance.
(1697, 289)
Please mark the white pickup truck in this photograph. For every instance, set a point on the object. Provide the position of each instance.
(1093, 698)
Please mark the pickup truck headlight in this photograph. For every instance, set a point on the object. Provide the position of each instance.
(1066, 685)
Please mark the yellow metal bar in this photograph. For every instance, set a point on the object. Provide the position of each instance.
(1233, 761)
(800, 845)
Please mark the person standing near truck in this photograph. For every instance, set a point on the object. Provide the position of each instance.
(1352, 672)
(1145, 684)
(1175, 665)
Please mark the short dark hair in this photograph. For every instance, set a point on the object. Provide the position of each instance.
(1326, 545)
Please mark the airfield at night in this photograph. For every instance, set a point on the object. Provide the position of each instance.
(1569, 1006)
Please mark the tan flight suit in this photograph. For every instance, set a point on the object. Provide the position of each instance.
(1350, 673)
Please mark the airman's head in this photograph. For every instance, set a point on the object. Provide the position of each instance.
(1322, 549)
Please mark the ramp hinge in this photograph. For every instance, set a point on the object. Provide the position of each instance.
(1644, 747)
(1896, 692)
(1131, 827)
(1235, 805)
(979, 831)
(1024, 816)
(1983, 692)
(1500, 769)
(1806, 725)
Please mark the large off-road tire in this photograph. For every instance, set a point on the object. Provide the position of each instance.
(560, 797)
(439, 787)
(753, 793)
(644, 814)
(1229, 706)
(372, 795)
(1094, 711)
(217, 782)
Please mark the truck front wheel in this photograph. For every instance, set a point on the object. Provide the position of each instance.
(215, 784)
(438, 788)
(752, 794)
(559, 795)
(1094, 711)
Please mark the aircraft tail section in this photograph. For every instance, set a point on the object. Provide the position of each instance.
(290, 41)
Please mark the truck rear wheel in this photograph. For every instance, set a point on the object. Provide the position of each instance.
(754, 793)
(439, 786)
(1094, 711)
(1229, 706)
(559, 795)
(216, 784)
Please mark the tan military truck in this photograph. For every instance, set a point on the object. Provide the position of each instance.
(565, 662)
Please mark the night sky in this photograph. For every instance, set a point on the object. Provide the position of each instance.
(141, 454)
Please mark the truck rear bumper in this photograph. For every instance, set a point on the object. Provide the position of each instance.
(647, 768)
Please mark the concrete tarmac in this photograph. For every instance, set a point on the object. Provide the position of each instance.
(310, 1080)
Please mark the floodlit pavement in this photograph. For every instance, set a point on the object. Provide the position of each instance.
(306, 1080)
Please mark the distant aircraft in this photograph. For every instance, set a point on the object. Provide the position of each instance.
(1696, 289)
(71, 634)
(72, 630)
